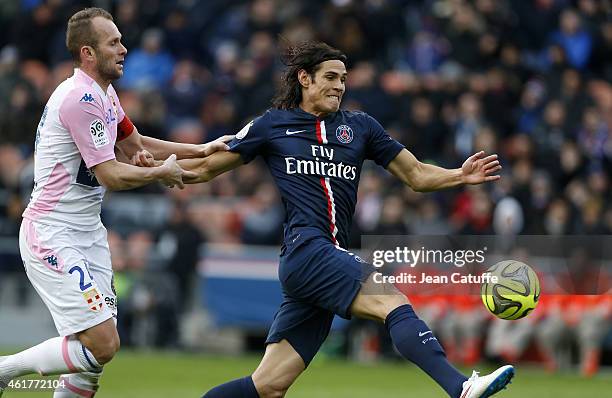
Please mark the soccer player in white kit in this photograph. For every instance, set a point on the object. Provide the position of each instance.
(62, 241)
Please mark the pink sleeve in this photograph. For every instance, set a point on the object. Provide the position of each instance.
(81, 113)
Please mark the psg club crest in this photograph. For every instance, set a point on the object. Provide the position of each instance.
(344, 134)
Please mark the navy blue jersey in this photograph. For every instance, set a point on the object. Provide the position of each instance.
(316, 164)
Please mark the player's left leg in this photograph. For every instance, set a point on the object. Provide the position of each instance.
(86, 384)
(411, 336)
(416, 342)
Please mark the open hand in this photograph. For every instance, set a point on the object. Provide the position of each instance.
(478, 169)
(218, 145)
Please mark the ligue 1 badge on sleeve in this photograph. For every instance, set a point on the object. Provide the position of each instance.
(243, 132)
(344, 134)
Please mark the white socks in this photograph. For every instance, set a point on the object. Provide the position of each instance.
(77, 385)
(58, 355)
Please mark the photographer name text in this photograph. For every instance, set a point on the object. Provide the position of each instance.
(424, 278)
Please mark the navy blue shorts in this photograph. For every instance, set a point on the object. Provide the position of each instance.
(319, 281)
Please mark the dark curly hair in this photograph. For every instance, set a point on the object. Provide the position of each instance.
(307, 56)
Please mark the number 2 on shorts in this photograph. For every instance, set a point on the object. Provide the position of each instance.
(84, 286)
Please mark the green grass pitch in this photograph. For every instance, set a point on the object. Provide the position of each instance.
(157, 375)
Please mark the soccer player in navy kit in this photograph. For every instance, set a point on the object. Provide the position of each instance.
(315, 152)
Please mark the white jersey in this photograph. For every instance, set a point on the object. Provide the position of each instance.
(77, 131)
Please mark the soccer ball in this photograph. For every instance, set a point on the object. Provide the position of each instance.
(516, 292)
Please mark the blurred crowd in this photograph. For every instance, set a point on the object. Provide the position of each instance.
(527, 79)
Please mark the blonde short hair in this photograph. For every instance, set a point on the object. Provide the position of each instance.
(80, 31)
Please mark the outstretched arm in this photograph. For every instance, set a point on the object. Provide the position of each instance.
(117, 176)
(423, 177)
(160, 149)
(205, 169)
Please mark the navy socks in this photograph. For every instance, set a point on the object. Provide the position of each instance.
(240, 388)
(416, 342)
(412, 338)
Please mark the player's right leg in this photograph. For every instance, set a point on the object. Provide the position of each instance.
(62, 279)
(279, 368)
(297, 332)
(58, 355)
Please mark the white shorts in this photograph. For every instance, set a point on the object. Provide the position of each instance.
(72, 272)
